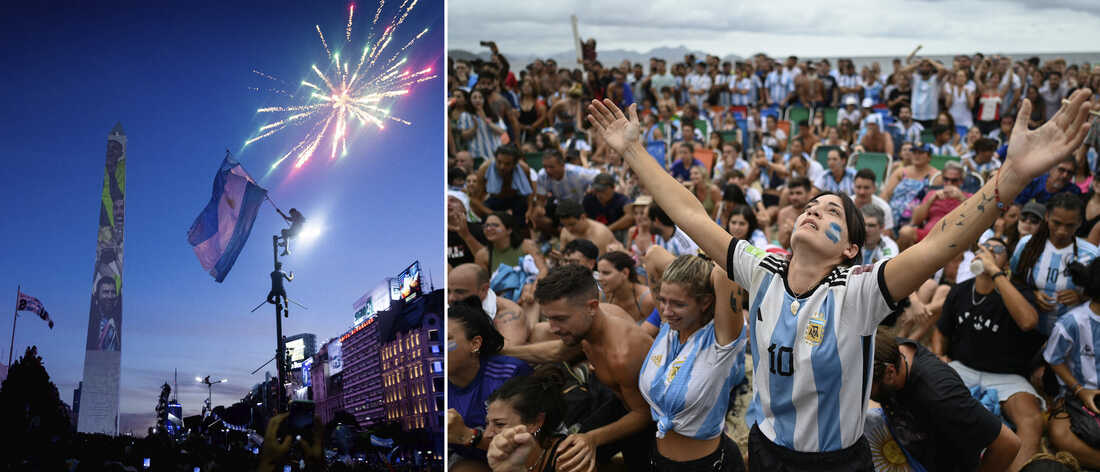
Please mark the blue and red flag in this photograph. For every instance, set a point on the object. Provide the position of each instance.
(220, 231)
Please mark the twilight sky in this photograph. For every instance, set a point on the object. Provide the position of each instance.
(779, 28)
(178, 79)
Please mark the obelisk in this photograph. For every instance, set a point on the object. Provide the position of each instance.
(103, 353)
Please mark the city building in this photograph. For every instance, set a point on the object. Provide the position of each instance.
(412, 365)
(327, 381)
(361, 376)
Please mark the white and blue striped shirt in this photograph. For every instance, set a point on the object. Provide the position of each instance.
(826, 182)
(1073, 343)
(678, 245)
(779, 85)
(687, 385)
(812, 353)
(485, 142)
(1049, 273)
(743, 99)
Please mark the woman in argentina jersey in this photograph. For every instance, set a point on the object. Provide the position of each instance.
(696, 359)
(812, 318)
(1071, 352)
(1040, 260)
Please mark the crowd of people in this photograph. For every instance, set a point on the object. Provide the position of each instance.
(785, 264)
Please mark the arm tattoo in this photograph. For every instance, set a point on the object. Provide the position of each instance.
(507, 317)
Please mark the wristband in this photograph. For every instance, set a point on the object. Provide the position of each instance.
(999, 274)
(477, 437)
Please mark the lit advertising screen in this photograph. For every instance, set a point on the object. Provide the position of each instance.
(409, 280)
(306, 366)
(296, 349)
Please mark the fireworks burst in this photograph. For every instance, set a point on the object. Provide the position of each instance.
(342, 96)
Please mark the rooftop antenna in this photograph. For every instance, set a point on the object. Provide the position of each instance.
(175, 385)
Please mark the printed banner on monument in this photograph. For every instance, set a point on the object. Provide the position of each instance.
(105, 321)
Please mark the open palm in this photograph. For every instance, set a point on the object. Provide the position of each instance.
(1033, 152)
(615, 128)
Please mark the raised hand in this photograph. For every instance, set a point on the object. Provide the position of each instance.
(616, 129)
(1034, 152)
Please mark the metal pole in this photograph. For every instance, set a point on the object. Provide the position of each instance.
(11, 347)
(280, 347)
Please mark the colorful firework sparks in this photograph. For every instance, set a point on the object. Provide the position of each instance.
(346, 95)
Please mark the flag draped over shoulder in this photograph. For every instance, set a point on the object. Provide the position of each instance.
(220, 231)
(31, 304)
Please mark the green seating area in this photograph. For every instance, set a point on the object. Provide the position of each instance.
(878, 162)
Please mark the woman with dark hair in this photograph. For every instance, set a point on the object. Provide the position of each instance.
(1042, 260)
(1070, 351)
(742, 224)
(532, 111)
(813, 317)
(620, 285)
(480, 127)
(508, 247)
(531, 405)
(1038, 111)
(474, 370)
(506, 244)
(460, 104)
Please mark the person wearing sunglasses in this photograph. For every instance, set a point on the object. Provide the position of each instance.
(1031, 217)
(1041, 260)
(987, 334)
(1042, 188)
(936, 205)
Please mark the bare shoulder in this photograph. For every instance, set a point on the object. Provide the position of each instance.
(627, 347)
(505, 305)
(615, 311)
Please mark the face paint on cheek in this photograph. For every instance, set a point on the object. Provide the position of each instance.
(833, 233)
(451, 345)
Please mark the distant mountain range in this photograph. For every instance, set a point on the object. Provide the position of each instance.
(606, 57)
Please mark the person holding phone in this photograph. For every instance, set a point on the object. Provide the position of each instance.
(1071, 352)
(278, 440)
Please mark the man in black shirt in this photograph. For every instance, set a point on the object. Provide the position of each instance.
(931, 413)
(987, 334)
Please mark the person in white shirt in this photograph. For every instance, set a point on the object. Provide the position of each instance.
(850, 111)
(698, 85)
(927, 76)
(813, 363)
(959, 97)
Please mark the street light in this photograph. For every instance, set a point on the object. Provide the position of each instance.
(209, 386)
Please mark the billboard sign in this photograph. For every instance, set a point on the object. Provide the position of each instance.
(307, 365)
(296, 349)
(335, 358)
(409, 281)
(368, 306)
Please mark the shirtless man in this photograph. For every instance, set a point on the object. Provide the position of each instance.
(615, 347)
(798, 193)
(470, 280)
(575, 224)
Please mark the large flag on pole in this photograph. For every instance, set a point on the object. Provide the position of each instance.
(220, 231)
(31, 304)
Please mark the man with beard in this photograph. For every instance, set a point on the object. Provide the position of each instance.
(616, 348)
(103, 325)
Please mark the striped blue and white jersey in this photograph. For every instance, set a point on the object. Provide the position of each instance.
(687, 385)
(679, 244)
(1073, 343)
(812, 353)
(1049, 273)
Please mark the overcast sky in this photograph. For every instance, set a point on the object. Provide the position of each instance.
(834, 28)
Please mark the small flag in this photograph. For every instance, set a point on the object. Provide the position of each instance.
(220, 231)
(31, 304)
